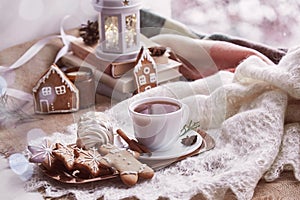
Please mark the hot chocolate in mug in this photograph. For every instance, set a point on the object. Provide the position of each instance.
(157, 121)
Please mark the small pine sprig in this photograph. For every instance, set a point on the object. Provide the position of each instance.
(190, 126)
(89, 32)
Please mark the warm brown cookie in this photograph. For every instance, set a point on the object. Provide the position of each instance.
(43, 154)
(65, 154)
(129, 167)
(89, 160)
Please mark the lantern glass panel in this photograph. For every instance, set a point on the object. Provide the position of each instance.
(130, 31)
(111, 25)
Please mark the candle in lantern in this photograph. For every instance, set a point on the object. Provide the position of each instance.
(130, 32)
(111, 32)
(119, 29)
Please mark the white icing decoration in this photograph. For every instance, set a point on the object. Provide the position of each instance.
(54, 69)
(107, 160)
(131, 152)
(92, 158)
(67, 152)
(145, 56)
(114, 151)
(142, 168)
(108, 146)
(42, 153)
(129, 172)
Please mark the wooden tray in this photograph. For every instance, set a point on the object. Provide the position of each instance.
(67, 177)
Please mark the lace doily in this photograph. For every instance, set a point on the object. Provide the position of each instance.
(245, 114)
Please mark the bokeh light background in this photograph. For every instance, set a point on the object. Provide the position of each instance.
(24, 20)
(273, 22)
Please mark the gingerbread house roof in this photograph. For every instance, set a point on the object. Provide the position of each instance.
(144, 54)
(64, 79)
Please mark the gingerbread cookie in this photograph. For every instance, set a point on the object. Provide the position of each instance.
(65, 154)
(55, 93)
(43, 154)
(89, 160)
(130, 169)
(70, 159)
(145, 71)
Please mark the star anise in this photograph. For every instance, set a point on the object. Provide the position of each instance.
(189, 140)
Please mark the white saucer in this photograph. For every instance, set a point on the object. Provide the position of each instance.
(177, 150)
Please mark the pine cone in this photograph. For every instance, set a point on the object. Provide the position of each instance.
(89, 32)
(157, 51)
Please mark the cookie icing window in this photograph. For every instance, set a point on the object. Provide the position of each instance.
(60, 90)
(142, 80)
(152, 77)
(46, 91)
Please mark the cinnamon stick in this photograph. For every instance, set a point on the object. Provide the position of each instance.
(133, 145)
(123, 135)
(142, 147)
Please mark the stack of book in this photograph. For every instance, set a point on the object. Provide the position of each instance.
(116, 80)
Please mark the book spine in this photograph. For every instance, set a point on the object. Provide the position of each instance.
(90, 57)
(168, 75)
(105, 90)
(125, 84)
(119, 69)
(87, 54)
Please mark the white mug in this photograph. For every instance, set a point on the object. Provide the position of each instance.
(157, 121)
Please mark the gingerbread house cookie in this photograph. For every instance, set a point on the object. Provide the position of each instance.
(55, 93)
(145, 71)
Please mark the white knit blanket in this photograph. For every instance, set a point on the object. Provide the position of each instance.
(253, 115)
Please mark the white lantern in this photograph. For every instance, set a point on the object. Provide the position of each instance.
(119, 28)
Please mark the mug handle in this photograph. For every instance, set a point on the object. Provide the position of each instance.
(185, 114)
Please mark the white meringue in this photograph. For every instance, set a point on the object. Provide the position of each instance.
(94, 129)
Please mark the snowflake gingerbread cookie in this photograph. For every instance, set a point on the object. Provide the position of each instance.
(65, 154)
(43, 154)
(89, 160)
